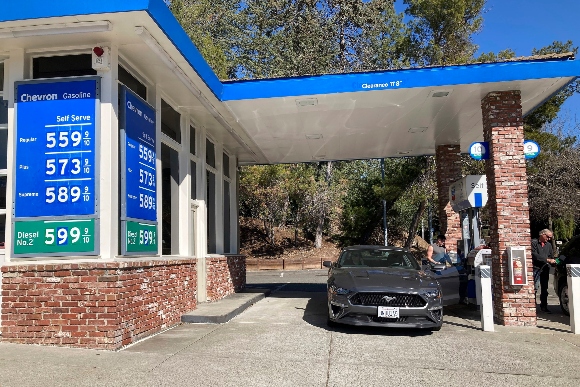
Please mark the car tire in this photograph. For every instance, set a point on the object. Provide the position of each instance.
(563, 296)
(436, 329)
(330, 323)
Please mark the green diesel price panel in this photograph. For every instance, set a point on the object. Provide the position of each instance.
(140, 238)
(34, 237)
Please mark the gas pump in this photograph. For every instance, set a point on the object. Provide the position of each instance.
(467, 196)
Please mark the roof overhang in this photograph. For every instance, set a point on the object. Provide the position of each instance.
(326, 117)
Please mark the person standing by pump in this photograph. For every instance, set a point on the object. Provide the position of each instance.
(437, 253)
(542, 258)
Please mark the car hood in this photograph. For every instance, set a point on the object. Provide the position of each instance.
(365, 279)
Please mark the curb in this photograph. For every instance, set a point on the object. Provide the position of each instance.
(222, 311)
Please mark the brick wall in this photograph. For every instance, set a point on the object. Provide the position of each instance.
(103, 305)
(508, 204)
(448, 160)
(225, 275)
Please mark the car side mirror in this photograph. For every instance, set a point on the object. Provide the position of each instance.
(327, 264)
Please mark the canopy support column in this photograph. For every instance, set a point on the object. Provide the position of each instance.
(448, 160)
(507, 188)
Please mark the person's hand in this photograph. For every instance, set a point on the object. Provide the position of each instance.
(551, 261)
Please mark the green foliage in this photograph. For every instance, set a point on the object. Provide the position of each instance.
(491, 57)
(564, 228)
(214, 27)
(548, 111)
(300, 37)
(441, 30)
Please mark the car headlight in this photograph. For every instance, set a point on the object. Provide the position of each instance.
(336, 290)
(431, 293)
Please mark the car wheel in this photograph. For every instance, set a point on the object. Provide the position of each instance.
(564, 300)
(330, 323)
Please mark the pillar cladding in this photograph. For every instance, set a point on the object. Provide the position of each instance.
(448, 160)
(508, 205)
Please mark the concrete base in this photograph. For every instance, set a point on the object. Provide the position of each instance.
(226, 309)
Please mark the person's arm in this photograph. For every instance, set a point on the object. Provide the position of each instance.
(430, 254)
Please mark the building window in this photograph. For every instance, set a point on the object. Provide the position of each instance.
(227, 215)
(193, 167)
(170, 200)
(170, 122)
(132, 83)
(211, 211)
(62, 66)
(192, 149)
(3, 156)
(209, 153)
(226, 161)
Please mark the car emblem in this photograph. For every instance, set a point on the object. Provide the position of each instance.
(388, 298)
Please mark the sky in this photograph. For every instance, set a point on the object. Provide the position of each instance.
(523, 25)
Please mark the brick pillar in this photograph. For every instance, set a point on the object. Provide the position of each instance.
(448, 160)
(508, 205)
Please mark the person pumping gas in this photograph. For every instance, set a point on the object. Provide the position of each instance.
(437, 253)
(542, 258)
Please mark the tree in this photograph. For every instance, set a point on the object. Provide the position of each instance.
(441, 30)
(302, 37)
(264, 195)
(554, 188)
(214, 27)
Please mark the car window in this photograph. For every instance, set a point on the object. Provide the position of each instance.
(379, 259)
(572, 248)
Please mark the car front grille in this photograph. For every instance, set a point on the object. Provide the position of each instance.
(385, 320)
(388, 299)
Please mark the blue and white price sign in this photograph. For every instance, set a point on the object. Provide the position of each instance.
(531, 149)
(479, 151)
(56, 129)
(139, 170)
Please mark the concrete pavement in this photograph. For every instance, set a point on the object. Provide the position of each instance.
(283, 340)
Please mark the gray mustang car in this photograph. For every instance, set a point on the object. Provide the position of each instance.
(385, 286)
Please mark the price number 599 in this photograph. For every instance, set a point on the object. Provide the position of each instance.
(146, 237)
(63, 236)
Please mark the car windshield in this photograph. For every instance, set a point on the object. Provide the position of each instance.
(571, 250)
(378, 258)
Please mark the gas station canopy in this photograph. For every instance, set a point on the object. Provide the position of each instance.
(312, 118)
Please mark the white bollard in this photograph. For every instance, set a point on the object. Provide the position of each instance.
(477, 287)
(573, 273)
(483, 273)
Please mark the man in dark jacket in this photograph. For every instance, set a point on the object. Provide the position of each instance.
(542, 258)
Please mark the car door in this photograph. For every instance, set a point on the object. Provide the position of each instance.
(449, 278)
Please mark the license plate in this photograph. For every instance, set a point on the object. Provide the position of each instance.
(388, 312)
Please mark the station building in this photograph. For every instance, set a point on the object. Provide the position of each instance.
(120, 148)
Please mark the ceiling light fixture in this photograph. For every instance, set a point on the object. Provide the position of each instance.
(418, 130)
(439, 94)
(313, 136)
(404, 152)
(306, 102)
(55, 29)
